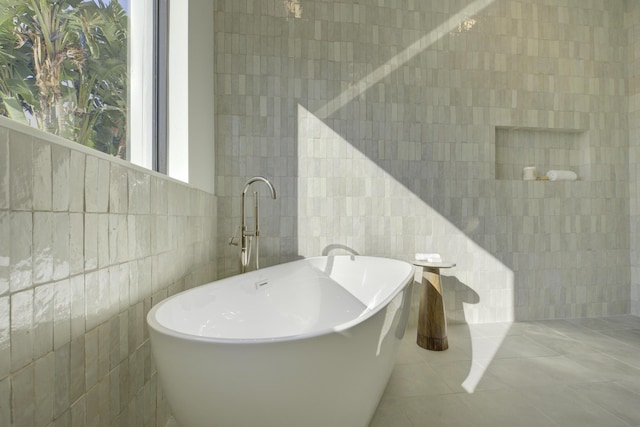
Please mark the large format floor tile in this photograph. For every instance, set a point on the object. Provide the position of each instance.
(578, 372)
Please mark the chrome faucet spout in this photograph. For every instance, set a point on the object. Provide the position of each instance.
(259, 179)
(248, 236)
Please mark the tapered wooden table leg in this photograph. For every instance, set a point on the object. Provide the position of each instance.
(432, 321)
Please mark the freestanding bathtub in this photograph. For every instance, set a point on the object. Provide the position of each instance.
(306, 343)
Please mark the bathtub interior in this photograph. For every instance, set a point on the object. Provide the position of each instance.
(373, 281)
(297, 299)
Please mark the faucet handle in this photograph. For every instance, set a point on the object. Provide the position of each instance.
(233, 241)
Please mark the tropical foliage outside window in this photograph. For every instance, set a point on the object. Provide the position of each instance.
(63, 69)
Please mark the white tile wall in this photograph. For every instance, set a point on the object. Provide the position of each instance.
(78, 255)
(632, 26)
(377, 122)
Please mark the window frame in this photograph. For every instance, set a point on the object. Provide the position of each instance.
(160, 94)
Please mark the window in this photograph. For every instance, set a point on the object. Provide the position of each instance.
(86, 70)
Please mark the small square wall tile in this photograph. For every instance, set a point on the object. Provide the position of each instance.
(61, 313)
(97, 404)
(60, 162)
(21, 171)
(90, 241)
(78, 413)
(20, 267)
(136, 335)
(103, 240)
(118, 239)
(21, 329)
(23, 406)
(44, 389)
(113, 282)
(91, 183)
(62, 420)
(143, 278)
(60, 245)
(159, 201)
(76, 181)
(104, 172)
(142, 236)
(77, 376)
(42, 177)
(116, 400)
(123, 336)
(61, 380)
(91, 358)
(5, 337)
(94, 300)
(104, 350)
(131, 235)
(5, 251)
(5, 401)
(42, 320)
(76, 243)
(139, 192)
(42, 247)
(118, 189)
(5, 191)
(77, 296)
(124, 282)
(104, 286)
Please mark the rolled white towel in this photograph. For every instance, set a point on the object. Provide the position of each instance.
(562, 175)
(428, 257)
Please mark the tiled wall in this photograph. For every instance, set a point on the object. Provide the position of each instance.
(87, 245)
(632, 25)
(377, 120)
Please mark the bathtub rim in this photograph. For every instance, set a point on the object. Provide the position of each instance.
(156, 326)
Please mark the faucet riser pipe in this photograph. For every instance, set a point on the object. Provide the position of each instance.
(245, 238)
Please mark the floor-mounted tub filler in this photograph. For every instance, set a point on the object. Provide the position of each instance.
(306, 343)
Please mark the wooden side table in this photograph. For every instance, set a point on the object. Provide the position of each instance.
(432, 323)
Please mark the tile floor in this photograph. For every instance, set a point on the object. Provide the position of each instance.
(582, 372)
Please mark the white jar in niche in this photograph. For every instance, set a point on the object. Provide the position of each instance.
(529, 173)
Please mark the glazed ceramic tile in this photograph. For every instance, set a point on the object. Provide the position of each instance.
(43, 309)
(61, 245)
(22, 344)
(76, 243)
(5, 190)
(77, 181)
(44, 376)
(21, 170)
(5, 401)
(5, 251)
(23, 405)
(21, 246)
(42, 247)
(60, 165)
(61, 313)
(42, 176)
(5, 336)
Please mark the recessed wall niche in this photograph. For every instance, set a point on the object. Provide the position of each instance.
(545, 149)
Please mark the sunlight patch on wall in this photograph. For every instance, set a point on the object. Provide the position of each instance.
(462, 21)
(346, 198)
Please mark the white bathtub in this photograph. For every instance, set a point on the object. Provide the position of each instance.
(307, 343)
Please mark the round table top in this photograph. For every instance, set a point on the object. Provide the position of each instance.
(441, 264)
